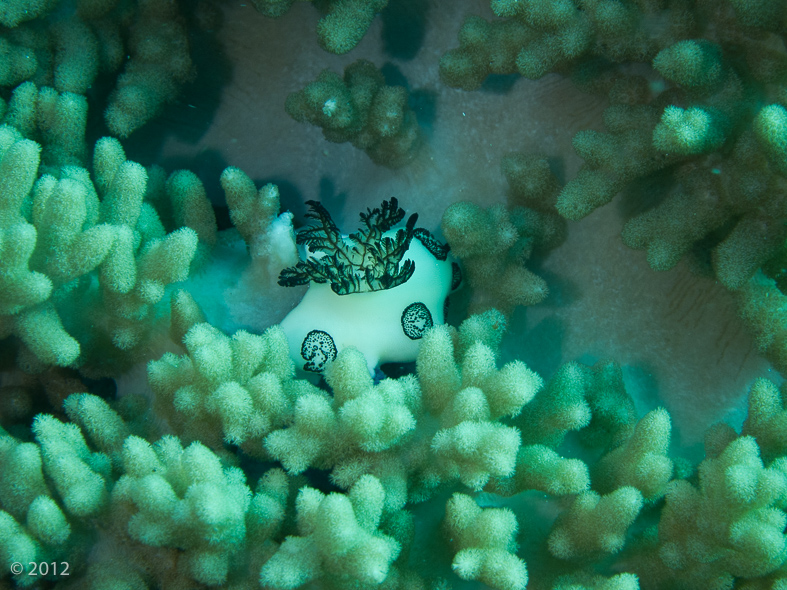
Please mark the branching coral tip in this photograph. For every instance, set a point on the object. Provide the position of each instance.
(378, 289)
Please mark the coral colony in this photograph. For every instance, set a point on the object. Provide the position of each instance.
(228, 468)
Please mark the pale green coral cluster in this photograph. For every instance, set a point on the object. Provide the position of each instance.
(64, 48)
(695, 135)
(463, 437)
(494, 244)
(90, 252)
(339, 540)
(182, 502)
(87, 251)
(362, 109)
(464, 469)
(91, 246)
(484, 539)
(240, 390)
(341, 28)
(235, 389)
(168, 497)
(56, 120)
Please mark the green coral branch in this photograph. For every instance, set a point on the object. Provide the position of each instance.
(344, 25)
(437, 436)
(65, 47)
(361, 109)
(700, 124)
(89, 261)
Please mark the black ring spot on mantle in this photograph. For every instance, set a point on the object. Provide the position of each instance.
(318, 348)
(416, 319)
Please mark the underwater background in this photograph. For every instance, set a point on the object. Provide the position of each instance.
(605, 302)
(699, 137)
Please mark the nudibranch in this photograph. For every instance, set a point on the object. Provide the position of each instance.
(378, 289)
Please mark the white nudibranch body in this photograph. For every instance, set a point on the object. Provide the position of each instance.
(385, 319)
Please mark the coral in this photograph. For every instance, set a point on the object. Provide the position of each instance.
(484, 539)
(770, 125)
(595, 524)
(234, 389)
(339, 540)
(695, 133)
(56, 120)
(47, 519)
(162, 496)
(765, 419)
(184, 498)
(76, 240)
(416, 455)
(344, 25)
(493, 245)
(66, 47)
(239, 390)
(561, 408)
(493, 250)
(452, 429)
(641, 461)
(729, 526)
(721, 152)
(188, 499)
(539, 37)
(763, 307)
(532, 195)
(360, 108)
(584, 581)
(159, 65)
(16, 12)
(485, 48)
(253, 213)
(540, 468)
(263, 241)
(727, 522)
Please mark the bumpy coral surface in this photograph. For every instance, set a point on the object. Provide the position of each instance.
(344, 25)
(145, 44)
(156, 429)
(362, 109)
